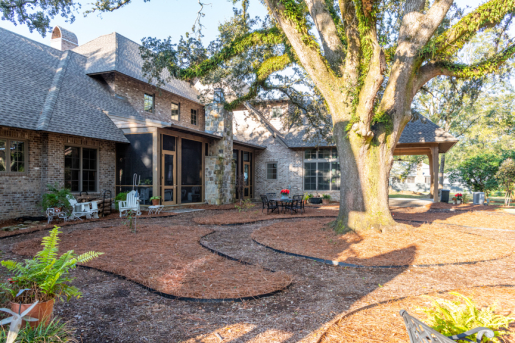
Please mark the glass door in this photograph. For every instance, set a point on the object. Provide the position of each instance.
(246, 178)
(168, 177)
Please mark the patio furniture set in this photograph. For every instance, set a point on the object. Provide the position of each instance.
(90, 209)
(271, 203)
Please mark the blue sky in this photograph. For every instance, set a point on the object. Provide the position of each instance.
(157, 18)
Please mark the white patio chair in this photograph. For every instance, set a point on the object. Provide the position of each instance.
(94, 209)
(132, 203)
(79, 210)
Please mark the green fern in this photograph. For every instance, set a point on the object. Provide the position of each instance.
(46, 275)
(455, 317)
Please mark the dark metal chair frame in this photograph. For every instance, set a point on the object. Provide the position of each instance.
(420, 332)
(270, 205)
(294, 205)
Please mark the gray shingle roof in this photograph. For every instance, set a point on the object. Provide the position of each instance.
(115, 52)
(42, 88)
(420, 130)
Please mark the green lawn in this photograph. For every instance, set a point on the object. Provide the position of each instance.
(411, 196)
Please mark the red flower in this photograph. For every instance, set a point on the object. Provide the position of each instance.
(11, 281)
(285, 191)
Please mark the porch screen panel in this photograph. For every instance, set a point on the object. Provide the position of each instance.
(3, 158)
(134, 158)
(191, 171)
(335, 176)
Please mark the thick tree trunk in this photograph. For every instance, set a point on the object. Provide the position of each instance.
(365, 168)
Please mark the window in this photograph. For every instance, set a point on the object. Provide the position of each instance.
(410, 179)
(310, 154)
(428, 179)
(148, 103)
(175, 111)
(12, 155)
(277, 112)
(218, 95)
(194, 117)
(322, 172)
(80, 169)
(271, 171)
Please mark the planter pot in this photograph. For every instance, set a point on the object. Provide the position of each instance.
(459, 201)
(325, 201)
(315, 200)
(42, 311)
(155, 202)
(284, 197)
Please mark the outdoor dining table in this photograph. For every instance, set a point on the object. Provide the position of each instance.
(282, 202)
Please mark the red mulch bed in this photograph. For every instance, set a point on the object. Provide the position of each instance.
(427, 244)
(169, 260)
(255, 215)
(383, 323)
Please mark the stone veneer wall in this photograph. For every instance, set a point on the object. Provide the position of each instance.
(219, 165)
(135, 90)
(20, 193)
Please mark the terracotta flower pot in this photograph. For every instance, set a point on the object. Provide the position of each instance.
(155, 202)
(325, 201)
(42, 311)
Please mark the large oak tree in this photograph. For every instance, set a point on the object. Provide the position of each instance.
(367, 60)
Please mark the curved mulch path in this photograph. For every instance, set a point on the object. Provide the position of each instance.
(168, 259)
(425, 245)
(382, 322)
(253, 216)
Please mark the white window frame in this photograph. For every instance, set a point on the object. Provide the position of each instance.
(81, 160)
(8, 156)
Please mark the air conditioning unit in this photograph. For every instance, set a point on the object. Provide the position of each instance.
(478, 198)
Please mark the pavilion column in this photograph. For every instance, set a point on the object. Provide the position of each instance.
(435, 172)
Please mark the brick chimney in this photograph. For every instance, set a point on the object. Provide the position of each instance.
(63, 39)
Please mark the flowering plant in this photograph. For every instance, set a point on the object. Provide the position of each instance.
(458, 196)
(285, 191)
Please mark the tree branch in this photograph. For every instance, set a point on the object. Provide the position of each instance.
(485, 16)
(489, 66)
(267, 68)
(270, 36)
(326, 27)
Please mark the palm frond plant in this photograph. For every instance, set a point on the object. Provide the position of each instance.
(454, 317)
(46, 276)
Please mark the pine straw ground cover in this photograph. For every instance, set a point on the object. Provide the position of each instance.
(44, 226)
(383, 323)
(476, 218)
(168, 259)
(255, 215)
(422, 245)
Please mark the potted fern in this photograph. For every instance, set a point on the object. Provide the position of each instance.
(326, 198)
(155, 200)
(43, 278)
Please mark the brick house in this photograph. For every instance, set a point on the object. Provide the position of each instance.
(85, 117)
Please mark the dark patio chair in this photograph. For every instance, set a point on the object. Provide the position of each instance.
(271, 195)
(270, 205)
(295, 205)
(422, 333)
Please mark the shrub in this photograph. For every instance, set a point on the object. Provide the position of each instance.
(326, 196)
(122, 196)
(307, 196)
(55, 332)
(455, 317)
(245, 205)
(57, 197)
(46, 276)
